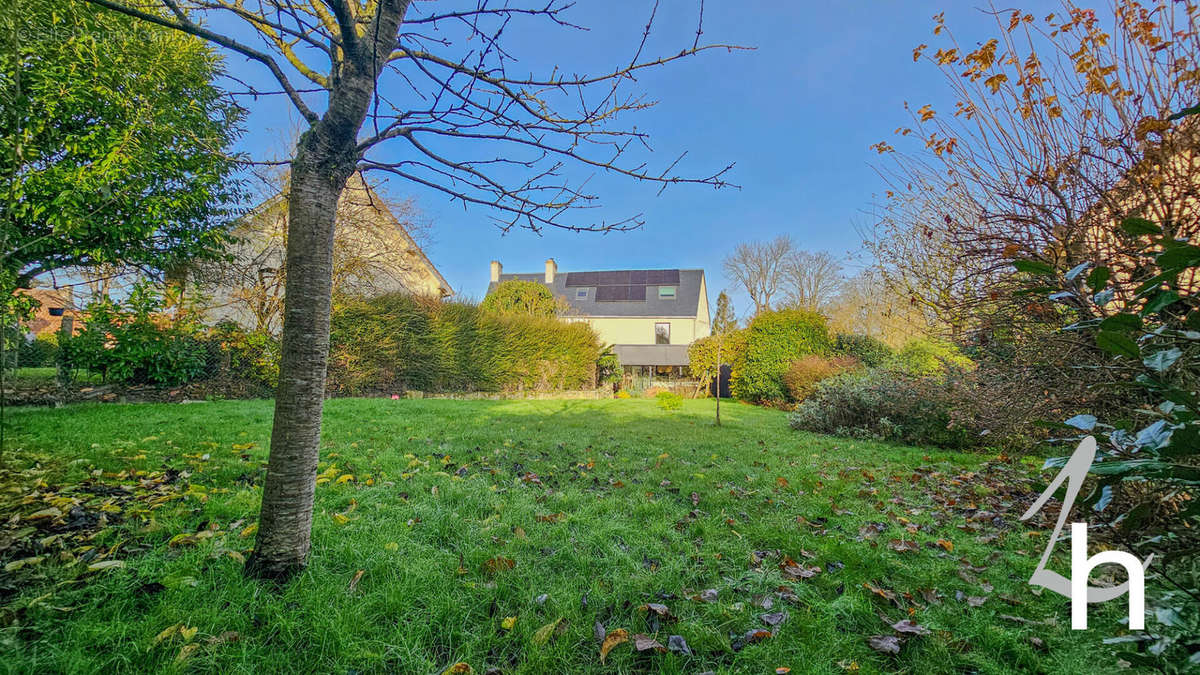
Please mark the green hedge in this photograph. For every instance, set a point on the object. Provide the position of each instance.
(397, 342)
(774, 340)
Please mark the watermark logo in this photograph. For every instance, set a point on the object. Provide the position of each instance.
(1076, 589)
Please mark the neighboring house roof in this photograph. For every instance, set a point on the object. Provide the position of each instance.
(248, 221)
(686, 302)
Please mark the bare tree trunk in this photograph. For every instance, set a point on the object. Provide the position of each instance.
(326, 157)
(285, 521)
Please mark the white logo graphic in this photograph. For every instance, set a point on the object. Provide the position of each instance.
(1076, 589)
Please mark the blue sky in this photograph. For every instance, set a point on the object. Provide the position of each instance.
(796, 115)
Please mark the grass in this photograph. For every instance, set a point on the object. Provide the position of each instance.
(592, 502)
(49, 375)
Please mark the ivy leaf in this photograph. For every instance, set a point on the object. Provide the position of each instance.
(1116, 343)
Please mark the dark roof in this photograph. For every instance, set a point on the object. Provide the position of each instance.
(652, 355)
(567, 284)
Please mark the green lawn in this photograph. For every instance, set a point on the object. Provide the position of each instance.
(443, 519)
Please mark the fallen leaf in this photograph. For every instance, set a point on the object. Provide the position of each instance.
(498, 564)
(167, 632)
(598, 631)
(460, 668)
(542, 635)
(884, 643)
(946, 544)
(611, 640)
(903, 545)
(913, 628)
(106, 565)
(660, 610)
(677, 644)
(508, 622)
(644, 642)
(708, 595)
(187, 633)
(250, 530)
(185, 652)
(773, 619)
(549, 518)
(354, 581)
(227, 636)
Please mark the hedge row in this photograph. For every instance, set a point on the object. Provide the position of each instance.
(397, 342)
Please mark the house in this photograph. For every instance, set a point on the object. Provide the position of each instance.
(649, 316)
(54, 304)
(375, 252)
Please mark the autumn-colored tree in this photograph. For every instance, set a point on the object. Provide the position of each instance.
(437, 78)
(1059, 131)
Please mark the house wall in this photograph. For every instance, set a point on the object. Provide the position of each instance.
(640, 330)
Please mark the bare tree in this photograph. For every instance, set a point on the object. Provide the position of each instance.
(759, 267)
(811, 280)
(439, 79)
(866, 304)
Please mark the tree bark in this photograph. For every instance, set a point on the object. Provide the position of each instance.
(285, 521)
(326, 157)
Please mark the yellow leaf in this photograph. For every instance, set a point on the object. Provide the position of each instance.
(542, 635)
(188, 633)
(508, 622)
(340, 519)
(611, 640)
(185, 652)
(249, 530)
(344, 478)
(391, 546)
(167, 632)
(459, 668)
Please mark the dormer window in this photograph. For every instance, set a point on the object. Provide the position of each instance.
(581, 294)
(666, 292)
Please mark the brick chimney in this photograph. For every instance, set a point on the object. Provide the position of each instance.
(497, 268)
(551, 270)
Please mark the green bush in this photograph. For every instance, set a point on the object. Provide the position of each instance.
(136, 342)
(250, 358)
(869, 351)
(39, 352)
(702, 354)
(398, 342)
(669, 401)
(774, 340)
(925, 357)
(885, 405)
(522, 297)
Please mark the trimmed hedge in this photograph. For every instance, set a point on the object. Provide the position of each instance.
(702, 354)
(774, 340)
(398, 342)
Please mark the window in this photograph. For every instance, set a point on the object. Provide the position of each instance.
(581, 294)
(666, 292)
(662, 333)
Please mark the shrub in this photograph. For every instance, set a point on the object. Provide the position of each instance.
(250, 358)
(803, 374)
(927, 357)
(702, 354)
(773, 341)
(669, 401)
(869, 351)
(885, 405)
(136, 341)
(522, 297)
(39, 352)
(399, 342)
